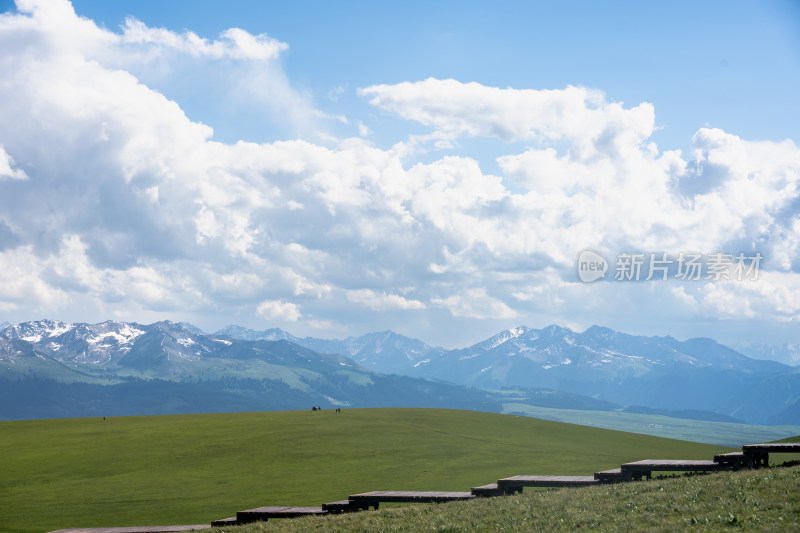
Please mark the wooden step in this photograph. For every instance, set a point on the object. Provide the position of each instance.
(773, 447)
(646, 467)
(735, 460)
(409, 496)
(517, 482)
(345, 506)
(759, 453)
(491, 490)
(265, 513)
(732, 456)
(225, 522)
(671, 465)
(615, 475)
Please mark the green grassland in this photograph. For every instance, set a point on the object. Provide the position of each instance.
(722, 433)
(195, 468)
(754, 500)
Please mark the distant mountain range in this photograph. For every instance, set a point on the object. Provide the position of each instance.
(659, 373)
(384, 351)
(51, 368)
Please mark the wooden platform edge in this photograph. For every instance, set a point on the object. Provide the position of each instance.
(400, 496)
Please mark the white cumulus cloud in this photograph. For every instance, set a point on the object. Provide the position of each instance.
(7, 170)
(577, 114)
(233, 43)
(281, 311)
(126, 204)
(476, 303)
(382, 301)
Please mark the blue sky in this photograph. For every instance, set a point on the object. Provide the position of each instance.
(431, 168)
(698, 63)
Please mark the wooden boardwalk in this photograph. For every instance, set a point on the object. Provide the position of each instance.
(265, 513)
(774, 447)
(489, 491)
(405, 496)
(646, 467)
(735, 460)
(225, 522)
(345, 506)
(759, 453)
(615, 475)
(518, 482)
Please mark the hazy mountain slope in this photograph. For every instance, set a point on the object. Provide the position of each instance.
(384, 351)
(774, 400)
(787, 353)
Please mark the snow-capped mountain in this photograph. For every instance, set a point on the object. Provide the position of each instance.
(657, 372)
(598, 364)
(4, 325)
(163, 350)
(501, 338)
(36, 331)
(598, 347)
(50, 368)
(509, 357)
(192, 328)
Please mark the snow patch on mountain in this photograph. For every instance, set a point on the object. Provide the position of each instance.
(502, 337)
(186, 342)
(126, 334)
(36, 331)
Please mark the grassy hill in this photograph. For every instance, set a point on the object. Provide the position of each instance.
(196, 468)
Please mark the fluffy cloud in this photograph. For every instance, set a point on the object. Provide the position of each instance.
(234, 43)
(382, 301)
(7, 170)
(279, 311)
(111, 198)
(576, 114)
(476, 304)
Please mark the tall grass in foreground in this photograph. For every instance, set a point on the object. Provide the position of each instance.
(761, 500)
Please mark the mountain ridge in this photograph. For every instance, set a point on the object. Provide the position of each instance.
(659, 373)
(50, 368)
(655, 372)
